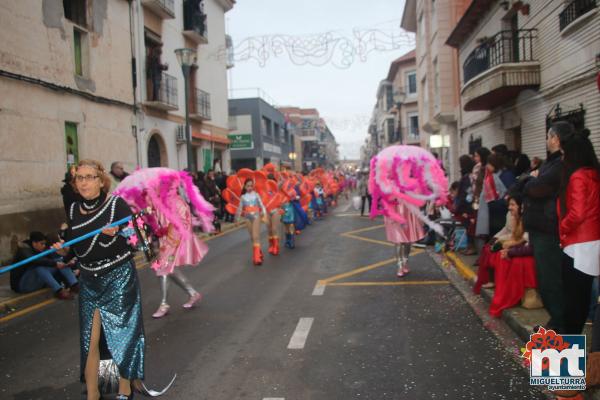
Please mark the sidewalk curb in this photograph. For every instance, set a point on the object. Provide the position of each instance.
(35, 300)
(510, 316)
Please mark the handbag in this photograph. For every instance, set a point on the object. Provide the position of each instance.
(531, 299)
(497, 246)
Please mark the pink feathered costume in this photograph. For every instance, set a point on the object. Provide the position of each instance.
(403, 179)
(168, 193)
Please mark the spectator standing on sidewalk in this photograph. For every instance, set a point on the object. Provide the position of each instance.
(463, 203)
(480, 157)
(43, 272)
(541, 222)
(363, 190)
(213, 195)
(579, 225)
(69, 196)
(492, 205)
(117, 174)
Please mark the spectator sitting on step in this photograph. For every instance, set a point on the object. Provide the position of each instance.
(42, 272)
(511, 258)
(64, 254)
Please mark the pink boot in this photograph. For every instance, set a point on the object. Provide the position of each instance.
(163, 310)
(193, 300)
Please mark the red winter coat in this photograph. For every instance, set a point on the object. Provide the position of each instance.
(581, 220)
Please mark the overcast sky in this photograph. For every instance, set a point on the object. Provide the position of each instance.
(344, 97)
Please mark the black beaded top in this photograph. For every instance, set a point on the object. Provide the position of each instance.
(100, 249)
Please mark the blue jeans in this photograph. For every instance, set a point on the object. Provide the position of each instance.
(39, 277)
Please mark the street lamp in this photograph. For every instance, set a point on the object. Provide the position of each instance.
(186, 58)
(399, 97)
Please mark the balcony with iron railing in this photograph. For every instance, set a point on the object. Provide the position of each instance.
(574, 10)
(200, 105)
(499, 69)
(194, 22)
(162, 94)
(163, 8)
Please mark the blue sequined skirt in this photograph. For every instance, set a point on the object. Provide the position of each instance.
(116, 294)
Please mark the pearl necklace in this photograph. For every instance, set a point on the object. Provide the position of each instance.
(112, 217)
(111, 202)
(91, 207)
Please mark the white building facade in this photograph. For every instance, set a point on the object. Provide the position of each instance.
(169, 25)
(525, 65)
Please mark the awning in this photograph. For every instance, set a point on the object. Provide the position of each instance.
(211, 138)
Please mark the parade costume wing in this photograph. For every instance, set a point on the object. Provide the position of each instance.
(271, 197)
(288, 189)
(271, 169)
(410, 175)
(232, 193)
(155, 188)
(306, 191)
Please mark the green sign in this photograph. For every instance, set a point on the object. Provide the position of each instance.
(241, 142)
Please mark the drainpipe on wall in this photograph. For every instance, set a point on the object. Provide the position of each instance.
(137, 71)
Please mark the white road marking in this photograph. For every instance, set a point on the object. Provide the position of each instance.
(274, 398)
(300, 335)
(319, 289)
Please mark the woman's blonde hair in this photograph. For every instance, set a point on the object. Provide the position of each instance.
(97, 165)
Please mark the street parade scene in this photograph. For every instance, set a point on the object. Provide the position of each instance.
(236, 200)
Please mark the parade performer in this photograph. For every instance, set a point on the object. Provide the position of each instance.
(109, 298)
(267, 187)
(243, 201)
(289, 215)
(318, 203)
(167, 192)
(403, 179)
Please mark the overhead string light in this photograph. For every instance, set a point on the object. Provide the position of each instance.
(333, 47)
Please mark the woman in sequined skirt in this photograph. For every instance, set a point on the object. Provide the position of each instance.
(109, 301)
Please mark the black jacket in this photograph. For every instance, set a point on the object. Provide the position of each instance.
(463, 204)
(539, 214)
(26, 251)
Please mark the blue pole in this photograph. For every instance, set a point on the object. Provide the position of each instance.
(67, 244)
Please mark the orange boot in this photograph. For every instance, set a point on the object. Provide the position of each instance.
(257, 255)
(271, 245)
(275, 242)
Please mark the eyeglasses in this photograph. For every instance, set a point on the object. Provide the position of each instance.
(88, 178)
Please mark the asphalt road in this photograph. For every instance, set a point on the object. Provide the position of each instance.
(358, 335)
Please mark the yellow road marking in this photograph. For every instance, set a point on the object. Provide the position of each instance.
(402, 283)
(26, 310)
(364, 239)
(360, 270)
(23, 297)
(465, 271)
(370, 228)
(357, 271)
(225, 233)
